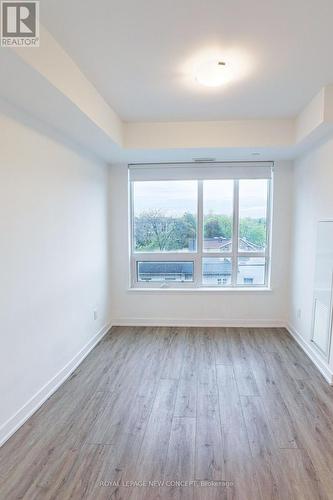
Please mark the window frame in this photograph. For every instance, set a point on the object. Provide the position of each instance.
(199, 254)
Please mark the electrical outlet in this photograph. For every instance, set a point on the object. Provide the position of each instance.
(95, 315)
(299, 313)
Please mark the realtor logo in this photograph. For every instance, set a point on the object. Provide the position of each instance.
(19, 24)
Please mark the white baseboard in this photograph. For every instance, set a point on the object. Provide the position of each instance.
(321, 364)
(31, 406)
(218, 322)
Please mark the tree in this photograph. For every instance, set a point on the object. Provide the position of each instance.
(185, 231)
(153, 230)
(253, 230)
(218, 226)
(156, 231)
(212, 227)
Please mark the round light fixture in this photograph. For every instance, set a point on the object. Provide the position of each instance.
(213, 73)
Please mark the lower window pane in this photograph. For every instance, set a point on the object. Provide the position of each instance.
(251, 271)
(216, 271)
(150, 271)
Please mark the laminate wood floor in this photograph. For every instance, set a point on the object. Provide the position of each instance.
(180, 413)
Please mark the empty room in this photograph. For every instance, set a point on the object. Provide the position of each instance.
(166, 253)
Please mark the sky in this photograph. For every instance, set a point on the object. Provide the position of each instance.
(176, 197)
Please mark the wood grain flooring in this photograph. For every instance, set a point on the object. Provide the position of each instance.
(180, 414)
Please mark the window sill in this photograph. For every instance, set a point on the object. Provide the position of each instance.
(201, 290)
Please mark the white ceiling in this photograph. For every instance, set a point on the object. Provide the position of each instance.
(140, 54)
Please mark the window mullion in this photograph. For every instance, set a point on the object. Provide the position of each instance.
(268, 231)
(235, 231)
(251, 254)
(132, 260)
(198, 267)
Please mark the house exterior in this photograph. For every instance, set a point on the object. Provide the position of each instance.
(220, 244)
(215, 270)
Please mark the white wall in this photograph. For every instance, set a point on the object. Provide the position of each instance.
(223, 307)
(312, 201)
(53, 263)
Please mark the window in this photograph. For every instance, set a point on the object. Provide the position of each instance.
(190, 231)
(218, 215)
(165, 216)
(252, 215)
(251, 270)
(164, 271)
(216, 271)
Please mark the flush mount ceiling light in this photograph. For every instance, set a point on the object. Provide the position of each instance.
(213, 73)
(212, 67)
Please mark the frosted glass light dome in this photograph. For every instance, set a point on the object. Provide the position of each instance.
(213, 73)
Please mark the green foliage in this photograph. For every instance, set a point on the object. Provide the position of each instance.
(253, 230)
(155, 231)
(218, 226)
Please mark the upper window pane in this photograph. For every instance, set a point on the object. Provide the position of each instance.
(252, 215)
(217, 212)
(165, 216)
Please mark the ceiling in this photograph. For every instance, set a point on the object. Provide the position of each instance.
(140, 54)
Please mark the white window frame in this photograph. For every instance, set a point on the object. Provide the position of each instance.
(197, 256)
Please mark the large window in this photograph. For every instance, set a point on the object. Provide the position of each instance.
(197, 232)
